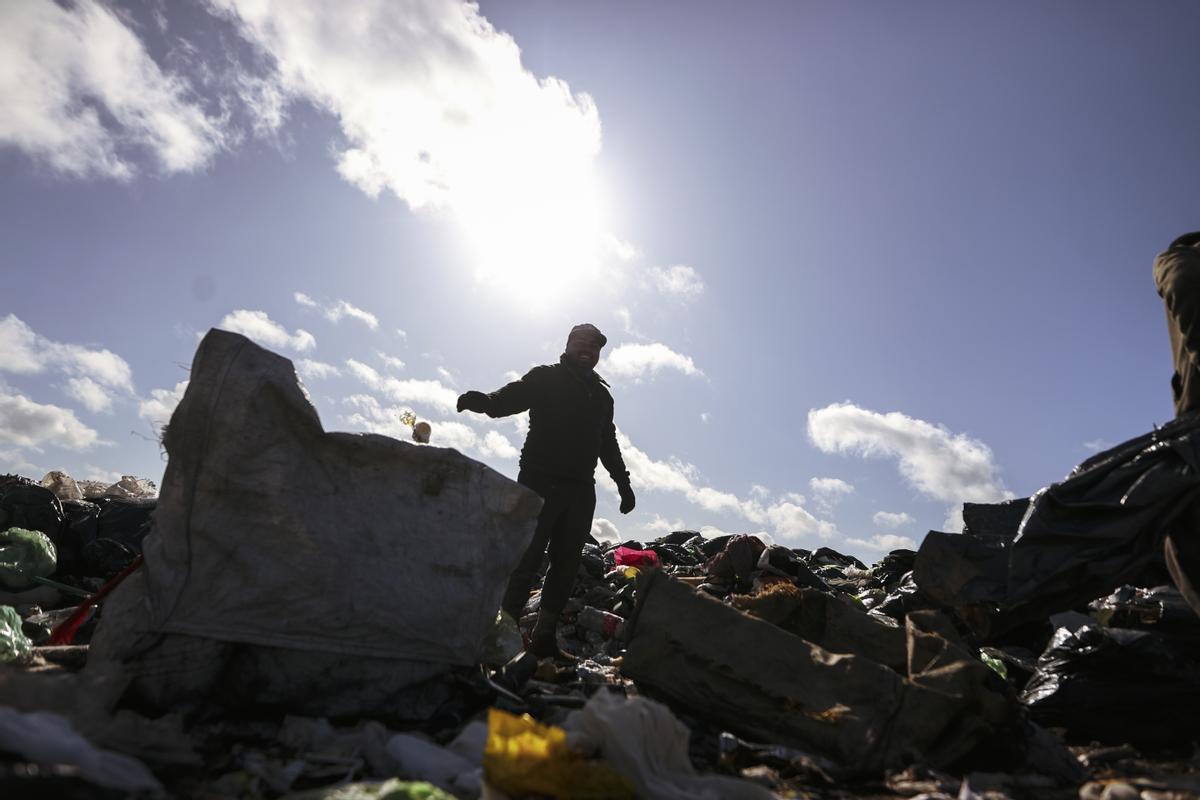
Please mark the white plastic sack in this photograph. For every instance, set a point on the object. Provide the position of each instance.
(422, 760)
(644, 742)
(271, 532)
(49, 739)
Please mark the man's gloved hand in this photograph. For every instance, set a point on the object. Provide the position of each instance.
(628, 501)
(473, 401)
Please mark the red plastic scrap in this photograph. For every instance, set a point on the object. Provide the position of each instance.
(628, 557)
(66, 630)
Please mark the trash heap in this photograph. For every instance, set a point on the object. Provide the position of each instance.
(311, 614)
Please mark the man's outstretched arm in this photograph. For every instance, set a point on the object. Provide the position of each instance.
(512, 398)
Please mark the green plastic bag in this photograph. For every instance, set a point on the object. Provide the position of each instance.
(15, 647)
(25, 555)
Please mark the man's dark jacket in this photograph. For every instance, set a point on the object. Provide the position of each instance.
(570, 422)
(1177, 276)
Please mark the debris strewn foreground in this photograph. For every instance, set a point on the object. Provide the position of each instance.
(312, 614)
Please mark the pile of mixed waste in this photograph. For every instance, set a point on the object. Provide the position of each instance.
(312, 614)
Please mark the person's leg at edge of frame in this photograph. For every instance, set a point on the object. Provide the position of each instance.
(1181, 551)
(525, 573)
(566, 552)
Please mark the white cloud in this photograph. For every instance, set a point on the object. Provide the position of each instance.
(344, 309)
(638, 360)
(435, 107)
(626, 317)
(18, 347)
(794, 523)
(646, 473)
(885, 542)
(605, 531)
(91, 395)
(498, 445)
(25, 423)
(940, 464)
(664, 526)
(335, 312)
(266, 331)
(14, 461)
(316, 370)
(403, 334)
(373, 416)
(621, 250)
(679, 280)
(891, 519)
(93, 473)
(1097, 445)
(789, 519)
(425, 392)
(830, 487)
(157, 408)
(96, 374)
(81, 94)
(446, 375)
(265, 102)
(828, 492)
(705, 417)
(391, 362)
(365, 373)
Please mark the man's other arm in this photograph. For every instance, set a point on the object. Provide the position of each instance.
(610, 457)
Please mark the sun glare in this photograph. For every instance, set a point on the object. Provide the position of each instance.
(529, 204)
(538, 239)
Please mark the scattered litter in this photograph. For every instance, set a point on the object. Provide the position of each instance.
(1031, 655)
(45, 738)
(15, 646)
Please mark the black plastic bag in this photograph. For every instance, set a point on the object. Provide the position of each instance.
(25, 504)
(1100, 528)
(104, 558)
(82, 526)
(827, 555)
(1115, 686)
(125, 520)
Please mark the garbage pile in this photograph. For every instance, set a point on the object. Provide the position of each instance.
(311, 614)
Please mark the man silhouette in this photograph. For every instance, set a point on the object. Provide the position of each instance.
(570, 427)
(1177, 278)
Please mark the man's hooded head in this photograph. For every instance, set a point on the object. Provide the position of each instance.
(583, 345)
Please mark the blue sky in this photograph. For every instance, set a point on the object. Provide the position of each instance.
(857, 262)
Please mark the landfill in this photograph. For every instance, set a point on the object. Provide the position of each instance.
(305, 614)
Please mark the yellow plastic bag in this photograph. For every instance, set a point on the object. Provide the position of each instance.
(524, 757)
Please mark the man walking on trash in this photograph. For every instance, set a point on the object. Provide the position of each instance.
(1177, 277)
(570, 426)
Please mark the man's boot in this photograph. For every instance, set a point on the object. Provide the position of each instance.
(543, 642)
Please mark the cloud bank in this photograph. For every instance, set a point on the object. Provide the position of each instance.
(95, 375)
(637, 361)
(339, 310)
(791, 522)
(28, 424)
(258, 326)
(81, 94)
(435, 106)
(936, 462)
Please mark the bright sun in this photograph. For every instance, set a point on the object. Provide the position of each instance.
(533, 222)
(537, 241)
